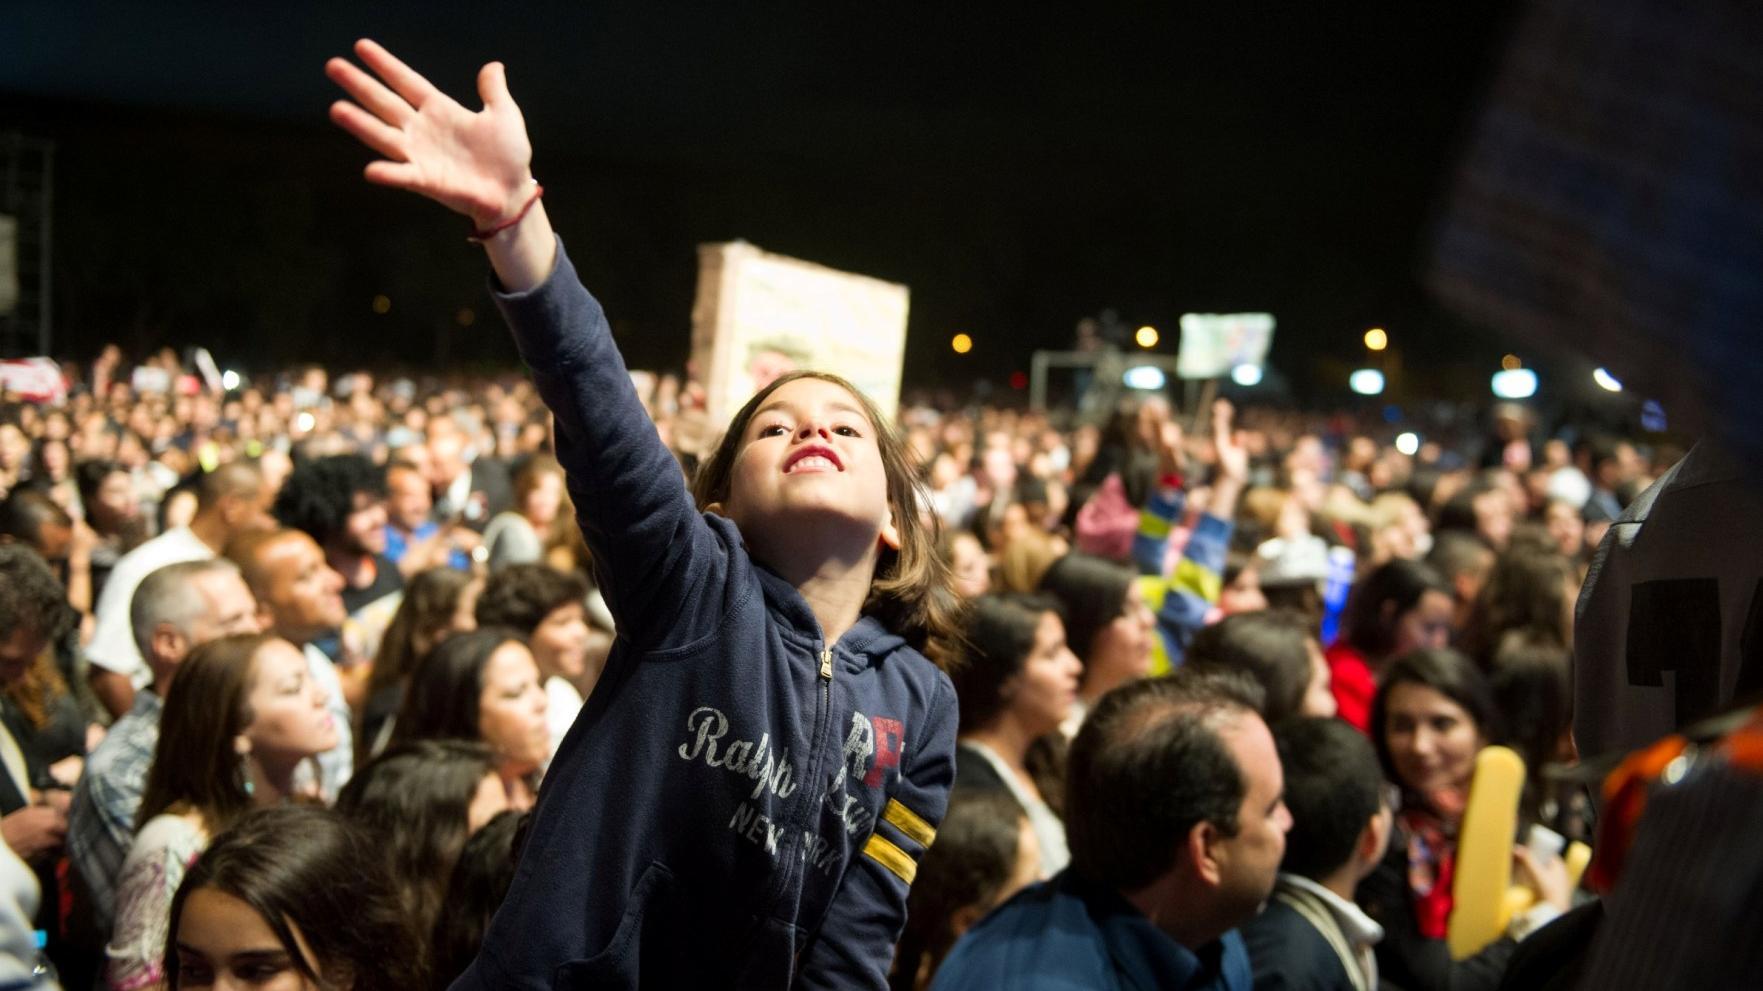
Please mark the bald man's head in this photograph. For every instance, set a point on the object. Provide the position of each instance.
(299, 594)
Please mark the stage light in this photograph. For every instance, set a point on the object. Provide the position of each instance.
(1246, 376)
(1147, 336)
(229, 380)
(1376, 339)
(961, 344)
(1366, 382)
(1515, 383)
(1606, 381)
(1511, 363)
(1408, 442)
(1148, 378)
(382, 304)
(304, 422)
(465, 317)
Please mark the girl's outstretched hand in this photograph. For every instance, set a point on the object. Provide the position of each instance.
(478, 164)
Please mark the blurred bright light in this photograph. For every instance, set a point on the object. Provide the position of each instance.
(1511, 363)
(229, 380)
(1147, 337)
(1376, 339)
(961, 343)
(1147, 377)
(1246, 375)
(1366, 382)
(1606, 381)
(1515, 383)
(382, 304)
(1408, 442)
(304, 422)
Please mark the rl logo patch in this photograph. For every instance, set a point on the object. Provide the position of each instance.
(890, 736)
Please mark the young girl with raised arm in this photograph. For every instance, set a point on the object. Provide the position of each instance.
(745, 797)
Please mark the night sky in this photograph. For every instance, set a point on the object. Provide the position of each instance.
(1017, 172)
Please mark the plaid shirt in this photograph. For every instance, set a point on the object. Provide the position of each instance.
(101, 820)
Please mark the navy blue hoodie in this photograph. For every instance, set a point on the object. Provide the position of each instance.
(740, 804)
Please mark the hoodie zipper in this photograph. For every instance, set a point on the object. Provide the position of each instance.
(795, 869)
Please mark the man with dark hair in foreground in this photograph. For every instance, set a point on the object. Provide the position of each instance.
(1176, 820)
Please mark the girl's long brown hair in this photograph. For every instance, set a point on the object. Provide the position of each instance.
(195, 764)
(913, 591)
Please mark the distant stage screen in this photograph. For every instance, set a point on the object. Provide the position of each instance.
(759, 315)
(1212, 344)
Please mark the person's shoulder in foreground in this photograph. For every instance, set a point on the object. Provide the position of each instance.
(1286, 950)
(1065, 933)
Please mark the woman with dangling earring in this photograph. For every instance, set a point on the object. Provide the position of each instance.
(239, 722)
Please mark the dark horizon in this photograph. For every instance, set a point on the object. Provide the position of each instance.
(1016, 177)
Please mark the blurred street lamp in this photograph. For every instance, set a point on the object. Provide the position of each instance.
(1366, 382)
(1146, 378)
(1515, 383)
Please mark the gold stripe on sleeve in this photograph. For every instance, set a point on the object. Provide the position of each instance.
(909, 822)
(882, 850)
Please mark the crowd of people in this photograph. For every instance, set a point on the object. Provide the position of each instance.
(393, 612)
(379, 683)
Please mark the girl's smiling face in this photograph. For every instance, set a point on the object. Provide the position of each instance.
(809, 456)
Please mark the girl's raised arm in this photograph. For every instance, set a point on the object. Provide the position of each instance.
(655, 555)
(478, 164)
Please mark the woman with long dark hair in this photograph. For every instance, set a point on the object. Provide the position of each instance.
(239, 722)
(1107, 623)
(482, 686)
(1018, 684)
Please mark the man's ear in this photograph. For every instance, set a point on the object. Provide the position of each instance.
(169, 641)
(1202, 846)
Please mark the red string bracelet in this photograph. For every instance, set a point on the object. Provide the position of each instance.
(484, 234)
